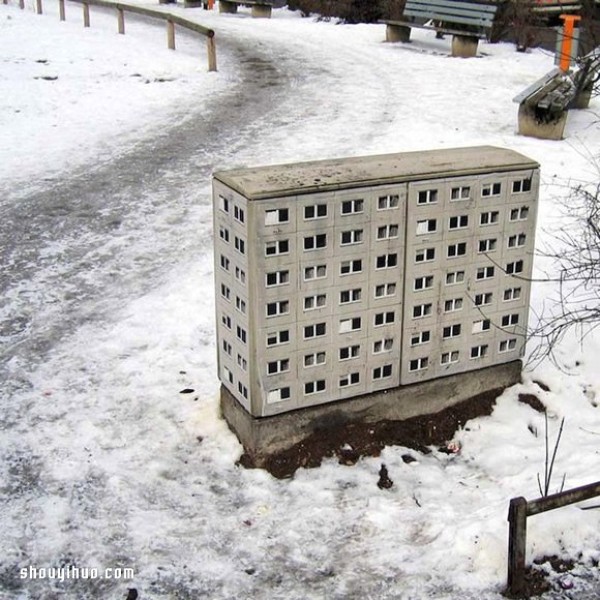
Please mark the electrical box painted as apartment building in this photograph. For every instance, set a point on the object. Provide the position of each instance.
(339, 278)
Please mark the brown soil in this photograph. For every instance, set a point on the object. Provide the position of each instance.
(350, 441)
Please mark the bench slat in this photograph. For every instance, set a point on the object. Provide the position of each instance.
(452, 4)
(536, 86)
(451, 11)
(451, 18)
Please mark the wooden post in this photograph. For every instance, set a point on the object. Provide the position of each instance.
(170, 34)
(21, 4)
(121, 20)
(61, 9)
(38, 7)
(517, 537)
(86, 14)
(211, 49)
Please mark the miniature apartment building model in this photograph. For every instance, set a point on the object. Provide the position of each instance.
(340, 278)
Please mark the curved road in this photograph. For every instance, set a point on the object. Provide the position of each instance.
(77, 250)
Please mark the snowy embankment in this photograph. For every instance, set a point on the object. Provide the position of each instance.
(104, 463)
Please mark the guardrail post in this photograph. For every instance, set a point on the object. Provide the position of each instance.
(170, 34)
(211, 48)
(121, 20)
(38, 7)
(86, 14)
(61, 9)
(517, 537)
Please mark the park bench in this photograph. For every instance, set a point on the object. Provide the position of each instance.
(467, 22)
(260, 8)
(543, 106)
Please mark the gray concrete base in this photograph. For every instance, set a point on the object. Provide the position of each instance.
(261, 11)
(464, 46)
(270, 435)
(532, 125)
(227, 7)
(397, 33)
(582, 99)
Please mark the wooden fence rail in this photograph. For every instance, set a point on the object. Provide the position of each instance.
(518, 512)
(122, 8)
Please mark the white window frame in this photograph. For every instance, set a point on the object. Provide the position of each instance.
(487, 245)
(422, 283)
(278, 335)
(423, 226)
(427, 197)
(490, 217)
(316, 269)
(281, 278)
(385, 290)
(318, 209)
(273, 216)
(353, 265)
(391, 257)
(314, 302)
(353, 351)
(354, 295)
(282, 307)
(280, 365)
(388, 202)
(313, 330)
(481, 326)
(424, 310)
(314, 359)
(349, 379)
(459, 193)
(387, 232)
(457, 222)
(486, 272)
(384, 345)
(349, 325)
(480, 351)
(420, 338)
(353, 237)
(453, 305)
(418, 364)
(355, 207)
(315, 242)
(277, 245)
(455, 277)
(450, 358)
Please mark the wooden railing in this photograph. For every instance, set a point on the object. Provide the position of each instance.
(518, 512)
(122, 8)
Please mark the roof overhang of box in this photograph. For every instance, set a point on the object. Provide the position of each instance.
(276, 181)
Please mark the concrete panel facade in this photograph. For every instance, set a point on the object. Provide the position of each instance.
(341, 278)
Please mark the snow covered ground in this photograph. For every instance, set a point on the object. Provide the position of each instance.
(105, 464)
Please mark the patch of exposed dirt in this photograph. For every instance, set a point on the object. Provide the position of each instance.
(348, 442)
(533, 401)
(544, 575)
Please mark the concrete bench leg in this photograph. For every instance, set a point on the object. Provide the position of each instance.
(538, 125)
(227, 7)
(261, 11)
(464, 46)
(582, 99)
(397, 33)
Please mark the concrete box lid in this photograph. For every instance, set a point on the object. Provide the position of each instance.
(275, 181)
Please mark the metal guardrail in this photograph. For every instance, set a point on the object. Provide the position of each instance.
(122, 8)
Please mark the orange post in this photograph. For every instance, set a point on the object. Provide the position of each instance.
(567, 41)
